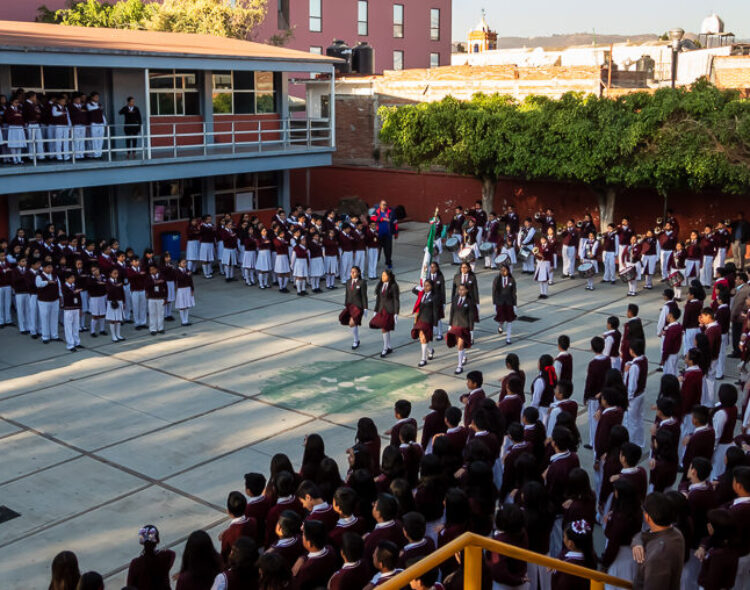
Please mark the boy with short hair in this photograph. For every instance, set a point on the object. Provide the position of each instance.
(636, 372)
(671, 342)
(353, 573)
(258, 504)
(239, 526)
(456, 433)
(286, 500)
(402, 411)
(596, 375)
(71, 299)
(344, 503)
(313, 570)
(419, 546)
(412, 453)
(612, 339)
(384, 511)
(712, 330)
(384, 559)
(564, 360)
(630, 456)
(317, 508)
(472, 400)
(156, 295)
(289, 544)
(562, 403)
(700, 442)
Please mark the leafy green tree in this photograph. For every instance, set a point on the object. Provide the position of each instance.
(212, 17)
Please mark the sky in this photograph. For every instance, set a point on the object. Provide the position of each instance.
(531, 18)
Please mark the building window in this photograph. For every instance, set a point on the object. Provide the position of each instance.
(243, 93)
(282, 20)
(398, 21)
(434, 60)
(236, 193)
(175, 200)
(316, 49)
(174, 93)
(398, 60)
(362, 17)
(316, 16)
(63, 208)
(435, 24)
(44, 78)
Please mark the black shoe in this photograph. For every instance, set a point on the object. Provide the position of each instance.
(45, 341)
(102, 332)
(303, 293)
(161, 331)
(458, 370)
(129, 322)
(169, 318)
(284, 290)
(355, 345)
(383, 353)
(57, 339)
(94, 335)
(389, 351)
(72, 350)
(24, 333)
(431, 354)
(588, 447)
(422, 363)
(153, 333)
(35, 336)
(333, 287)
(140, 327)
(439, 338)
(187, 324)
(80, 346)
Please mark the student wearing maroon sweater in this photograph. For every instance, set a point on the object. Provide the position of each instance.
(691, 388)
(150, 571)
(286, 500)
(712, 330)
(635, 374)
(289, 543)
(318, 509)
(610, 415)
(516, 446)
(384, 512)
(630, 456)
(344, 503)
(418, 546)
(578, 541)
(564, 360)
(699, 443)
(412, 453)
(556, 479)
(402, 411)
(434, 422)
(562, 403)
(456, 434)
(671, 342)
(313, 570)
(719, 566)
(724, 419)
(664, 462)
(472, 400)
(239, 526)
(511, 405)
(509, 528)
(384, 562)
(354, 572)
(596, 375)
(156, 297)
(610, 466)
(632, 330)
(257, 503)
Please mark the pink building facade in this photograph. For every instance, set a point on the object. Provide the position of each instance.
(404, 34)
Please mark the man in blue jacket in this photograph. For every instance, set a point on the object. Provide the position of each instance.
(387, 230)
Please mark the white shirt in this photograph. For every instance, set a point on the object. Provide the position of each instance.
(609, 341)
(719, 421)
(42, 280)
(537, 389)
(631, 377)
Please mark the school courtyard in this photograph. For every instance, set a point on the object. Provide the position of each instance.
(158, 430)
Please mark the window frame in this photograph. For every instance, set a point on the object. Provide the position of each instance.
(43, 89)
(181, 90)
(233, 91)
(436, 63)
(363, 25)
(255, 188)
(315, 16)
(173, 201)
(400, 54)
(398, 26)
(434, 30)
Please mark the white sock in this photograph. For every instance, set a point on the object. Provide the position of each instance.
(206, 270)
(508, 330)
(440, 328)
(113, 331)
(93, 325)
(678, 292)
(460, 357)
(303, 284)
(285, 281)
(355, 333)
(281, 282)
(184, 315)
(298, 286)
(424, 351)
(472, 335)
(590, 283)
(118, 330)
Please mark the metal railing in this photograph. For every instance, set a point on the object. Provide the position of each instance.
(63, 144)
(472, 546)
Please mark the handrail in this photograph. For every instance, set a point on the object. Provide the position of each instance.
(471, 544)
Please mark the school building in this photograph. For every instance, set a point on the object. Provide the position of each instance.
(217, 135)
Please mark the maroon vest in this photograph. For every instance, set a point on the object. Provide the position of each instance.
(49, 292)
(642, 374)
(726, 435)
(566, 363)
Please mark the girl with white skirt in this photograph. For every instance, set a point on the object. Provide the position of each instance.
(206, 252)
(249, 258)
(185, 297)
(509, 245)
(192, 251)
(331, 258)
(543, 272)
(301, 266)
(281, 267)
(317, 265)
(115, 303)
(16, 132)
(228, 245)
(263, 263)
(97, 290)
(168, 272)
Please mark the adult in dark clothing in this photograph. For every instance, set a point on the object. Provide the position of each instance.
(740, 236)
(131, 125)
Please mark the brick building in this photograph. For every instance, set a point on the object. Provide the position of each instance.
(732, 71)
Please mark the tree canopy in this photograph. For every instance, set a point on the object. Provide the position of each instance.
(690, 138)
(212, 17)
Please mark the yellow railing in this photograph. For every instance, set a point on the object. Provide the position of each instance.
(472, 546)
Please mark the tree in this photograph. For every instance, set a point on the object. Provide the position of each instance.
(211, 17)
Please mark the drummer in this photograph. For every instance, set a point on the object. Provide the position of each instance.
(509, 245)
(491, 239)
(676, 271)
(589, 254)
(472, 240)
(526, 241)
(631, 260)
(456, 229)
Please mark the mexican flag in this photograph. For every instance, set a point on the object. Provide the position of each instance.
(428, 250)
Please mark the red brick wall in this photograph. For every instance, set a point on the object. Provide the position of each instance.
(168, 125)
(246, 127)
(421, 193)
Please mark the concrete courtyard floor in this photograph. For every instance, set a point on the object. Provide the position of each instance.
(158, 430)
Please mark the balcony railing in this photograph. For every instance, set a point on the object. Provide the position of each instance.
(472, 546)
(42, 146)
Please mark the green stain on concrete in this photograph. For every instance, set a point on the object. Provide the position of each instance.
(325, 388)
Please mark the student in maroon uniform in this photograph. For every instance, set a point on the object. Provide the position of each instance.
(354, 572)
(71, 304)
(275, 572)
(313, 570)
(556, 479)
(240, 525)
(387, 307)
(664, 463)
(456, 433)
(612, 338)
(596, 375)
(517, 447)
(563, 403)
(632, 330)
(463, 316)
(621, 524)
(200, 563)
(578, 541)
(150, 571)
(472, 400)
(630, 456)
(257, 503)
(242, 571)
(700, 442)
(540, 518)
(418, 546)
(512, 363)
(711, 328)
(543, 387)
(156, 296)
(412, 453)
(402, 412)
(671, 342)
(427, 315)
(719, 566)
(115, 303)
(564, 360)
(509, 528)
(635, 373)
(285, 487)
(511, 405)
(434, 421)
(345, 503)
(384, 561)
(318, 509)
(289, 543)
(724, 419)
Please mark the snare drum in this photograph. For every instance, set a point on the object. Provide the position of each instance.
(628, 274)
(467, 254)
(452, 244)
(675, 279)
(502, 260)
(586, 270)
(486, 248)
(525, 253)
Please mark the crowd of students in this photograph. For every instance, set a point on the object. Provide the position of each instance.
(52, 279)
